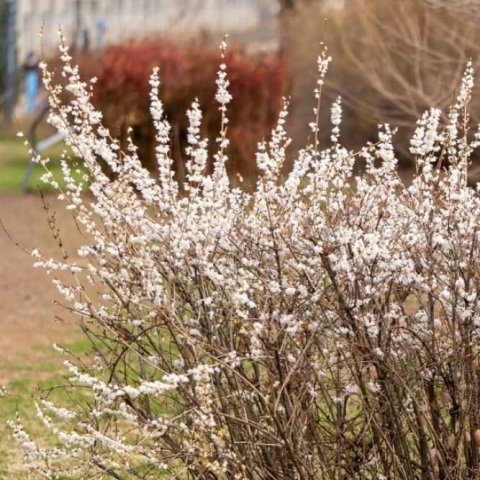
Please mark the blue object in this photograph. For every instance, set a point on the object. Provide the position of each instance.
(32, 82)
(101, 28)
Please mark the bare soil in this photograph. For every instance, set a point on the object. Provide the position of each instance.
(27, 309)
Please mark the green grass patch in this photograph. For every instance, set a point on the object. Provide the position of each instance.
(14, 160)
(40, 374)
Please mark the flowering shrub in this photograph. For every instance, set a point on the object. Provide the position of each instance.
(323, 326)
(188, 72)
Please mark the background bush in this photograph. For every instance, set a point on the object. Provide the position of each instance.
(187, 72)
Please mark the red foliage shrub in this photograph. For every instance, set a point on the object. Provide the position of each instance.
(188, 72)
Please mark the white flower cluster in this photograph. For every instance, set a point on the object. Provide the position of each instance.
(296, 331)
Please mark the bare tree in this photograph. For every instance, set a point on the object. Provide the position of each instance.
(393, 60)
(463, 6)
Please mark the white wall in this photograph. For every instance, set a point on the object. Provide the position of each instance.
(126, 19)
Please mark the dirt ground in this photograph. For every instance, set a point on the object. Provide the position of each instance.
(27, 310)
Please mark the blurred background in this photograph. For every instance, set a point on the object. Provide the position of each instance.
(392, 60)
